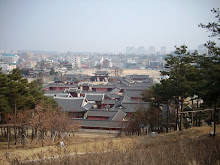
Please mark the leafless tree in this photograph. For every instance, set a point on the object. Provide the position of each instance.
(117, 71)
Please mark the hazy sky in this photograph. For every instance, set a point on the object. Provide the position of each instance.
(103, 25)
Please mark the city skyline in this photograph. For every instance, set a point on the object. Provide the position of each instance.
(103, 26)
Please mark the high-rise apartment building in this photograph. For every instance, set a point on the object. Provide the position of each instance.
(74, 60)
(10, 58)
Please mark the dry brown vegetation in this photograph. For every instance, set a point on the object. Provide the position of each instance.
(152, 73)
(191, 146)
(203, 151)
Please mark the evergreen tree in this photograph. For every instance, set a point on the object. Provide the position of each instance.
(210, 68)
(180, 69)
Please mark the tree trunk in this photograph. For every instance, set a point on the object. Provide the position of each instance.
(32, 133)
(167, 116)
(15, 134)
(42, 138)
(8, 137)
(214, 118)
(27, 132)
(196, 119)
(15, 104)
(192, 119)
(23, 136)
(181, 115)
(177, 114)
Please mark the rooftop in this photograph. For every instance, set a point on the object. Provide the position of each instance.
(133, 93)
(100, 123)
(9, 55)
(99, 72)
(70, 104)
(94, 97)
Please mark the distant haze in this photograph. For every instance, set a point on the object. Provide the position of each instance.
(103, 25)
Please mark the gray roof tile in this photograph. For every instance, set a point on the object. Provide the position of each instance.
(62, 85)
(100, 124)
(133, 93)
(89, 105)
(103, 113)
(108, 101)
(132, 107)
(115, 91)
(70, 104)
(85, 84)
(94, 97)
(57, 95)
(100, 72)
(119, 116)
(104, 86)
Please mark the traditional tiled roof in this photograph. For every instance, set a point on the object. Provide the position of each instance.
(103, 113)
(127, 99)
(89, 105)
(85, 84)
(56, 79)
(95, 92)
(104, 86)
(70, 104)
(138, 80)
(58, 95)
(135, 87)
(113, 96)
(60, 85)
(145, 85)
(74, 77)
(119, 116)
(108, 101)
(116, 83)
(125, 82)
(94, 97)
(115, 91)
(133, 93)
(75, 90)
(132, 107)
(115, 78)
(134, 76)
(99, 72)
(100, 123)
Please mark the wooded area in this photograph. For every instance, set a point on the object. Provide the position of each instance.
(187, 75)
(24, 107)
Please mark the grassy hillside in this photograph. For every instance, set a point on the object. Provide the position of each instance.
(191, 146)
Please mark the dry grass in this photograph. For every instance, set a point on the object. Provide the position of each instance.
(185, 147)
(80, 143)
(152, 73)
(205, 151)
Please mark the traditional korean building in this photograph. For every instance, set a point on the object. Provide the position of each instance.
(101, 76)
(73, 106)
(85, 86)
(101, 106)
(97, 98)
(103, 88)
(58, 87)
